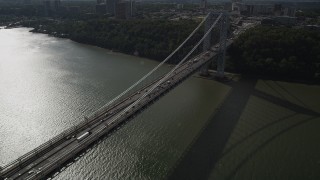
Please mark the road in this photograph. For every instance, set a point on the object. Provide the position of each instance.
(41, 163)
(53, 154)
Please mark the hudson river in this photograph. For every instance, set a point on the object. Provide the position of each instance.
(49, 84)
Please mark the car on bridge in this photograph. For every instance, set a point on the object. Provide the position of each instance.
(207, 54)
(83, 136)
(215, 48)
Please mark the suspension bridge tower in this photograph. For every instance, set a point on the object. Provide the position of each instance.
(224, 27)
(222, 33)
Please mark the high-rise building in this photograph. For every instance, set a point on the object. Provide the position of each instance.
(277, 9)
(227, 6)
(179, 6)
(56, 5)
(261, 9)
(203, 4)
(27, 2)
(101, 9)
(237, 5)
(290, 11)
(47, 7)
(123, 10)
(280, 10)
(99, 1)
(132, 8)
(74, 9)
(111, 6)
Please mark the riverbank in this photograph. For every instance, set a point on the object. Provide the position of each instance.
(277, 52)
(154, 39)
(52, 83)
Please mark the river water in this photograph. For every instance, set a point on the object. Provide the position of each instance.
(48, 84)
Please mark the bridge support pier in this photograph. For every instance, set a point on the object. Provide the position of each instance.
(224, 26)
(207, 42)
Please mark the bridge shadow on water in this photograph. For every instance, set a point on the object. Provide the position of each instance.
(203, 154)
(248, 156)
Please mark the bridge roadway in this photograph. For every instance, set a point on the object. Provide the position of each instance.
(46, 161)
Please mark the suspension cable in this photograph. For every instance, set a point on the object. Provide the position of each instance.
(152, 71)
(168, 74)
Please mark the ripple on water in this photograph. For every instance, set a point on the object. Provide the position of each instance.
(55, 90)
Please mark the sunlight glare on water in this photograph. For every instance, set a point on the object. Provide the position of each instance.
(49, 84)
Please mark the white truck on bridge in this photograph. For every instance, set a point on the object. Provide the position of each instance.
(83, 136)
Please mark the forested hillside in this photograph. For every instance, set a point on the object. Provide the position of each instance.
(277, 51)
(154, 39)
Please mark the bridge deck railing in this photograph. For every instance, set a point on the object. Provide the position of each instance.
(124, 94)
(40, 148)
(126, 110)
(72, 130)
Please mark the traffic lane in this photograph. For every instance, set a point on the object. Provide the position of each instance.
(137, 95)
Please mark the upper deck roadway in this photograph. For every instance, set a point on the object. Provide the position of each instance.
(41, 163)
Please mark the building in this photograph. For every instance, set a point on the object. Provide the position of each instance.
(47, 7)
(27, 2)
(289, 11)
(261, 9)
(236, 5)
(133, 8)
(99, 1)
(111, 6)
(249, 9)
(101, 8)
(179, 6)
(74, 9)
(312, 27)
(286, 20)
(203, 4)
(57, 5)
(277, 9)
(125, 9)
(227, 6)
(280, 10)
(256, 9)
